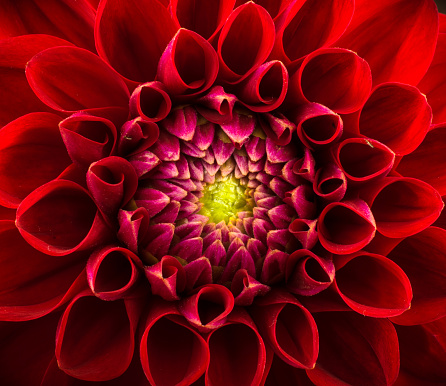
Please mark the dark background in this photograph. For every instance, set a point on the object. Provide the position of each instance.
(441, 5)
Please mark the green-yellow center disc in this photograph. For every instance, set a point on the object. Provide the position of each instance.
(223, 200)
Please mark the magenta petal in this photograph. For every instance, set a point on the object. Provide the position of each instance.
(277, 128)
(71, 79)
(166, 147)
(304, 231)
(208, 308)
(136, 136)
(143, 163)
(112, 272)
(239, 57)
(104, 348)
(167, 278)
(31, 154)
(346, 227)
(189, 250)
(150, 101)
(245, 288)
(239, 128)
(160, 237)
(112, 182)
(216, 106)
(330, 183)
(189, 64)
(288, 327)
(133, 49)
(42, 219)
(133, 227)
(308, 274)
(198, 273)
(172, 352)
(241, 259)
(384, 294)
(238, 354)
(273, 269)
(181, 123)
(151, 199)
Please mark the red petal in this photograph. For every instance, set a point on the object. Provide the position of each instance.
(66, 19)
(205, 17)
(131, 35)
(150, 101)
(428, 162)
(71, 79)
(31, 154)
(330, 183)
(423, 259)
(355, 350)
(397, 39)
(172, 353)
(372, 285)
(334, 77)
(241, 56)
(397, 115)
(94, 340)
(59, 218)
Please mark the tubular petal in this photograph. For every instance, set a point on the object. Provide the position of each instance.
(150, 101)
(131, 35)
(31, 154)
(71, 79)
(330, 183)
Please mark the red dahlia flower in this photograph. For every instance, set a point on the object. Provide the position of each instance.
(222, 192)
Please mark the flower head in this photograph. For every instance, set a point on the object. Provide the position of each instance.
(222, 192)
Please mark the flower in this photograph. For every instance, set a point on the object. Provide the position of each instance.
(222, 192)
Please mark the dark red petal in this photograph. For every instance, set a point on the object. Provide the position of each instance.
(66, 19)
(112, 272)
(189, 64)
(397, 115)
(33, 284)
(283, 374)
(309, 25)
(172, 353)
(355, 350)
(404, 206)
(131, 35)
(241, 56)
(433, 83)
(137, 135)
(112, 182)
(71, 79)
(304, 231)
(288, 327)
(400, 54)
(31, 154)
(423, 259)
(208, 308)
(346, 227)
(59, 218)
(334, 77)
(94, 340)
(372, 285)
(237, 351)
(330, 183)
(150, 101)
(363, 159)
(17, 98)
(428, 162)
(205, 17)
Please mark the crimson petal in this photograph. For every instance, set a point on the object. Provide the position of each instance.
(150, 101)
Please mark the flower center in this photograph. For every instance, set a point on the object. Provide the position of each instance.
(223, 199)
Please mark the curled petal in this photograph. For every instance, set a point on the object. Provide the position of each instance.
(104, 349)
(133, 227)
(288, 327)
(346, 227)
(189, 64)
(330, 183)
(136, 136)
(308, 274)
(369, 345)
(112, 272)
(167, 278)
(334, 77)
(198, 273)
(172, 353)
(304, 231)
(385, 293)
(245, 288)
(308, 25)
(71, 79)
(133, 49)
(423, 259)
(208, 308)
(239, 57)
(206, 17)
(397, 115)
(403, 206)
(31, 154)
(181, 123)
(277, 128)
(216, 106)
(42, 219)
(363, 159)
(150, 101)
(112, 182)
(88, 138)
(160, 237)
(238, 354)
